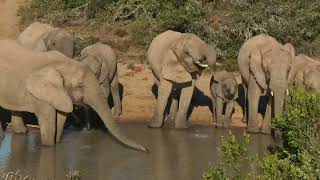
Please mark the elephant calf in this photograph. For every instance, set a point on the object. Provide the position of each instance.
(307, 72)
(102, 60)
(224, 91)
(176, 60)
(42, 37)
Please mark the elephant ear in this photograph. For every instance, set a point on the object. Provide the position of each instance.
(257, 69)
(40, 46)
(172, 69)
(93, 62)
(47, 84)
(184, 56)
(290, 49)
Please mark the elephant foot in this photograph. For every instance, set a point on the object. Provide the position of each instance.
(155, 124)
(181, 125)
(20, 129)
(266, 131)
(253, 130)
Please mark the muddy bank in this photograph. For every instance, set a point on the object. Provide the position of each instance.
(175, 154)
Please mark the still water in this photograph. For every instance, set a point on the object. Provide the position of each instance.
(174, 154)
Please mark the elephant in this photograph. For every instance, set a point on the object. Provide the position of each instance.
(42, 37)
(224, 91)
(176, 60)
(267, 68)
(48, 84)
(102, 60)
(307, 72)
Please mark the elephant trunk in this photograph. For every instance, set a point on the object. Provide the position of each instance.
(94, 98)
(278, 100)
(211, 56)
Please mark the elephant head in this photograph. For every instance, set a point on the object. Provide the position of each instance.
(60, 40)
(65, 83)
(229, 85)
(186, 56)
(273, 70)
(311, 78)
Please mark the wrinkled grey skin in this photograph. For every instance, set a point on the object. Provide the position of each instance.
(266, 68)
(307, 72)
(176, 60)
(42, 38)
(48, 84)
(224, 91)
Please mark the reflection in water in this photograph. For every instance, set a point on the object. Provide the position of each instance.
(175, 154)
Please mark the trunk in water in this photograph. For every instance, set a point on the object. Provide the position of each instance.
(105, 114)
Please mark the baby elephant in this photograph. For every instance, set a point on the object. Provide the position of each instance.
(102, 60)
(224, 89)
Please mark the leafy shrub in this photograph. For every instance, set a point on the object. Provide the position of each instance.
(234, 155)
(299, 156)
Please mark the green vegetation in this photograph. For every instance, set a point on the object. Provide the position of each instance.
(299, 156)
(234, 155)
(223, 24)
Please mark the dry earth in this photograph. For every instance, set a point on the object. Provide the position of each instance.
(138, 99)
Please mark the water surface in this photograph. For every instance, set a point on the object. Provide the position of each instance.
(174, 154)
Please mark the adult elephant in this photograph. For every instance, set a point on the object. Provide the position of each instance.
(307, 72)
(48, 84)
(266, 68)
(42, 37)
(177, 60)
(224, 91)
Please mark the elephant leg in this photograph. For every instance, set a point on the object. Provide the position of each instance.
(164, 90)
(265, 127)
(115, 96)
(1, 132)
(47, 121)
(245, 103)
(184, 103)
(61, 119)
(17, 123)
(173, 108)
(254, 93)
(214, 115)
(218, 113)
(227, 115)
(87, 111)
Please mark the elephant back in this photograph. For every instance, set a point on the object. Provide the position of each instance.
(33, 34)
(157, 48)
(263, 42)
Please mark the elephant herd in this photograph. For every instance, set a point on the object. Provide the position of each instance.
(39, 75)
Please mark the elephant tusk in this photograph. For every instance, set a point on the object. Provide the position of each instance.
(287, 92)
(202, 65)
(271, 93)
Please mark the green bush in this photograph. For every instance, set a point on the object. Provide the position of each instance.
(234, 154)
(299, 156)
